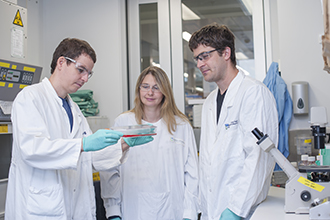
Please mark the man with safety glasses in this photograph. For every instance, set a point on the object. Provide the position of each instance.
(235, 173)
(54, 151)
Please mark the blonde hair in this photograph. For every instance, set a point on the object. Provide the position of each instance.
(168, 109)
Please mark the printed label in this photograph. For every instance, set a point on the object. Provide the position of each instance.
(310, 184)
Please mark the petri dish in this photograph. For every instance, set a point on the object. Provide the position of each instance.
(136, 130)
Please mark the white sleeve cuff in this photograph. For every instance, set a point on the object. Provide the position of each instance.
(108, 157)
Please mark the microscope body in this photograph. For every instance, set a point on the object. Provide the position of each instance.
(302, 196)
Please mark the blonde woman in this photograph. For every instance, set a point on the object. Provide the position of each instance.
(160, 179)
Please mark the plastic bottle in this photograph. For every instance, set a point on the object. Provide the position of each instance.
(303, 161)
(311, 162)
(319, 161)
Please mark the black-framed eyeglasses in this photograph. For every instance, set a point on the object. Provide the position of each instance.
(82, 70)
(204, 56)
(146, 88)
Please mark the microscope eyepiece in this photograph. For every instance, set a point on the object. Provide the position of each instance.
(257, 133)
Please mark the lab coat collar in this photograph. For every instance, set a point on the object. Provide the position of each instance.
(233, 88)
(76, 113)
(51, 89)
(229, 98)
(77, 117)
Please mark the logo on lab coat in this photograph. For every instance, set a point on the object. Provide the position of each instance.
(227, 126)
(177, 141)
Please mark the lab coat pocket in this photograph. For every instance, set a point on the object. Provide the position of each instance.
(155, 206)
(47, 201)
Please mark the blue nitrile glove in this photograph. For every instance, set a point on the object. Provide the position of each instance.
(186, 219)
(101, 139)
(227, 214)
(133, 141)
(114, 218)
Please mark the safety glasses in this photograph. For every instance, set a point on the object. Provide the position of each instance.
(82, 70)
(146, 88)
(203, 56)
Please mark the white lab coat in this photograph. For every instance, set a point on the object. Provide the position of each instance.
(160, 179)
(49, 177)
(235, 172)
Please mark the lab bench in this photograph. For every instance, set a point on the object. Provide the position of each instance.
(273, 207)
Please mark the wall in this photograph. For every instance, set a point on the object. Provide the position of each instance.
(300, 25)
(102, 24)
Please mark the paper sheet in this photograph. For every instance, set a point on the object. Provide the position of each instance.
(6, 107)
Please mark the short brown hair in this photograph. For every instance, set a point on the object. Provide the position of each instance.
(72, 48)
(218, 37)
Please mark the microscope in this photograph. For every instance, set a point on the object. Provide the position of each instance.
(303, 195)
